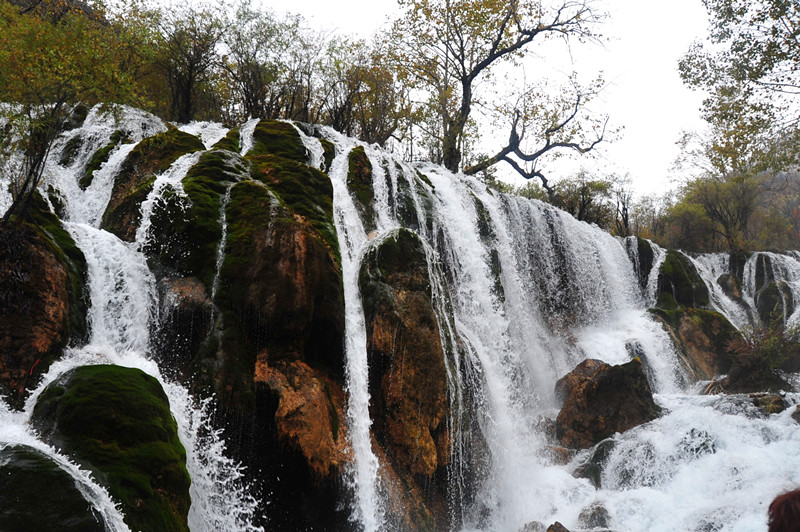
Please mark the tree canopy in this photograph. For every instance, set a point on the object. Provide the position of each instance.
(52, 58)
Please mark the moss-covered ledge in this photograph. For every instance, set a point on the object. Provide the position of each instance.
(116, 422)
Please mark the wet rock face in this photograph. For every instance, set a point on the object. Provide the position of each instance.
(309, 416)
(408, 379)
(302, 445)
(610, 399)
(36, 494)
(40, 294)
(679, 284)
(702, 338)
(185, 322)
(150, 157)
(408, 387)
(116, 422)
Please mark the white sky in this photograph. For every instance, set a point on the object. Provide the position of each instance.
(645, 95)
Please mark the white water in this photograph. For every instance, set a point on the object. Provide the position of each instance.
(122, 294)
(363, 477)
(569, 292)
(209, 132)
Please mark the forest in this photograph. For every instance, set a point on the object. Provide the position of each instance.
(424, 89)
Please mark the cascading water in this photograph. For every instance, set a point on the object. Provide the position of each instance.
(533, 293)
(122, 294)
(523, 293)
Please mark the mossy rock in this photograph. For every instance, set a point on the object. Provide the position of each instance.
(679, 284)
(151, 156)
(70, 150)
(116, 422)
(230, 141)
(43, 298)
(186, 230)
(281, 276)
(407, 372)
(646, 259)
(489, 237)
(774, 303)
(359, 182)
(99, 158)
(328, 153)
(124, 217)
(271, 137)
(304, 190)
(68, 252)
(763, 273)
(36, 494)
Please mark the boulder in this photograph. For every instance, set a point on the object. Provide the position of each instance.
(702, 338)
(774, 303)
(42, 304)
(770, 403)
(613, 399)
(36, 494)
(116, 422)
(751, 373)
(408, 379)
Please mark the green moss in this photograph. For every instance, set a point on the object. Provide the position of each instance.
(99, 158)
(229, 142)
(27, 479)
(69, 254)
(70, 150)
(271, 137)
(116, 422)
(359, 182)
(123, 217)
(679, 279)
(151, 156)
(155, 154)
(422, 177)
(305, 191)
(329, 152)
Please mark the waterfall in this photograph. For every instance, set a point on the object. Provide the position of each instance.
(533, 293)
(522, 293)
(123, 299)
(352, 242)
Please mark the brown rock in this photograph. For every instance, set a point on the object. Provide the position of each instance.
(310, 413)
(614, 399)
(557, 527)
(34, 306)
(407, 373)
(702, 338)
(582, 372)
(771, 404)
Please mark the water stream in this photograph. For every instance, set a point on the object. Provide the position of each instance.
(523, 294)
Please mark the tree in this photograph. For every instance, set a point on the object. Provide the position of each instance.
(750, 68)
(447, 48)
(186, 52)
(52, 59)
(586, 199)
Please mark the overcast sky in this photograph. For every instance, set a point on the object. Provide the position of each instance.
(645, 95)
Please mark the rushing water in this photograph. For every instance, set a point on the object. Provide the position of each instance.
(533, 293)
(523, 293)
(123, 302)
